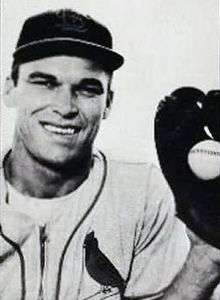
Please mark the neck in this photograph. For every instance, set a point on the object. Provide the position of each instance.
(41, 180)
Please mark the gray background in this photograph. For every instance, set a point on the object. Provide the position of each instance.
(166, 44)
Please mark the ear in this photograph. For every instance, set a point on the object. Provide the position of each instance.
(109, 102)
(9, 99)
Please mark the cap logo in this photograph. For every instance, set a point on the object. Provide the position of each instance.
(71, 22)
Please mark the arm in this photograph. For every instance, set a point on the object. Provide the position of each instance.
(179, 125)
(200, 274)
(161, 243)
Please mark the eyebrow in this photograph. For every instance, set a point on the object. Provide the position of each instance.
(83, 82)
(38, 74)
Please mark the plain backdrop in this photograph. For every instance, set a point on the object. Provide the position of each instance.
(166, 44)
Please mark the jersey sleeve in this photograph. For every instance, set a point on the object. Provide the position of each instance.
(162, 245)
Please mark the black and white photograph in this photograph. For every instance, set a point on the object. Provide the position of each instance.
(110, 150)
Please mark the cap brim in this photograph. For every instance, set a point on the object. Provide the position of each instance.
(106, 57)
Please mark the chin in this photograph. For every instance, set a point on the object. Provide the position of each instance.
(63, 159)
(57, 159)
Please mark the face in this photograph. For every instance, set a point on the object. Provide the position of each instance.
(60, 101)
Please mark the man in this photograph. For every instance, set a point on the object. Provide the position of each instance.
(75, 224)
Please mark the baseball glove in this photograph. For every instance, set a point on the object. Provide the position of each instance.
(179, 124)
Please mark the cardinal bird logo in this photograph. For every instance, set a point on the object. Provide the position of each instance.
(100, 267)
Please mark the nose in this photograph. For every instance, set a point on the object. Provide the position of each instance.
(66, 105)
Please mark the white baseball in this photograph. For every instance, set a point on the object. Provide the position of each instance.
(204, 159)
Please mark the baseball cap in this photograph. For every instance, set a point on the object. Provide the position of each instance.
(67, 32)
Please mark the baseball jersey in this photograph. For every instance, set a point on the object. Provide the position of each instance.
(130, 211)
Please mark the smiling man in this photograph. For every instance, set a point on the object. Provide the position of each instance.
(73, 223)
(61, 101)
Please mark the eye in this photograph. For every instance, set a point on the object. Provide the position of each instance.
(90, 91)
(45, 83)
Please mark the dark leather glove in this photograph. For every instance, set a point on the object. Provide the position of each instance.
(211, 110)
(179, 125)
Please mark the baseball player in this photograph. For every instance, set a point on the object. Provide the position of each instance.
(75, 224)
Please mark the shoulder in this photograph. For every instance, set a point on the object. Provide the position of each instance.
(133, 168)
(141, 175)
(141, 183)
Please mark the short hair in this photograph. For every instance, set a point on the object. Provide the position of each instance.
(15, 72)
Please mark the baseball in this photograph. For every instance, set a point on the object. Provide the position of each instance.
(204, 159)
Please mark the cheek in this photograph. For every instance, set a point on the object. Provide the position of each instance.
(26, 120)
(93, 111)
(22, 122)
(95, 116)
(31, 99)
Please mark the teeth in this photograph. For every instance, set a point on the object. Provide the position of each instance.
(59, 130)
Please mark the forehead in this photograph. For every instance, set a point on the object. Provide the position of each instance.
(63, 67)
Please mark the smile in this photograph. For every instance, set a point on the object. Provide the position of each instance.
(63, 130)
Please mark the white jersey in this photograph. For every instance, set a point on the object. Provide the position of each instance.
(129, 209)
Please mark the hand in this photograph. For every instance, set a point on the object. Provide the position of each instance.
(179, 125)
